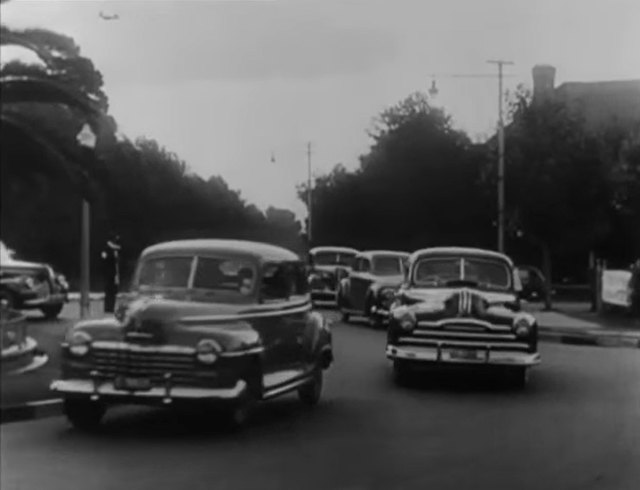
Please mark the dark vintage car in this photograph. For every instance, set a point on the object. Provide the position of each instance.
(533, 283)
(219, 323)
(460, 307)
(369, 289)
(327, 266)
(31, 286)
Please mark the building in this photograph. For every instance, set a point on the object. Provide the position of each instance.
(602, 104)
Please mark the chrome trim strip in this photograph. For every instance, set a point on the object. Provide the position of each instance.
(159, 349)
(82, 386)
(282, 389)
(435, 355)
(470, 335)
(470, 343)
(464, 321)
(240, 353)
(245, 316)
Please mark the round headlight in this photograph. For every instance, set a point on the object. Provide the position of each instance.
(408, 322)
(79, 343)
(207, 351)
(522, 327)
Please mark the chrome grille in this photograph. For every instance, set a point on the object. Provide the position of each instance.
(154, 365)
(477, 336)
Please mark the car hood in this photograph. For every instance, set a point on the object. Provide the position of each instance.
(442, 303)
(157, 321)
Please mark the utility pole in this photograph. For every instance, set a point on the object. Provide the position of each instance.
(309, 200)
(501, 198)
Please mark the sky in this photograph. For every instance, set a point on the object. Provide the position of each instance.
(228, 85)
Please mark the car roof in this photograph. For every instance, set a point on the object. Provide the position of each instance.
(259, 250)
(328, 248)
(373, 253)
(478, 252)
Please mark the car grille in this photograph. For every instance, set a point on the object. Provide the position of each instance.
(154, 365)
(474, 336)
(323, 281)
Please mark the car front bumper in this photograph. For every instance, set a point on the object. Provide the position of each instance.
(444, 355)
(52, 299)
(103, 390)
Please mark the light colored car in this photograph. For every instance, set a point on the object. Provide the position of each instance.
(460, 307)
(207, 322)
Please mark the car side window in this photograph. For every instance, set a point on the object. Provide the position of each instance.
(365, 265)
(279, 282)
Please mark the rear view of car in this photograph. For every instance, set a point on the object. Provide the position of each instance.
(327, 266)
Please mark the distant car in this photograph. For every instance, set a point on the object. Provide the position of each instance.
(460, 307)
(370, 288)
(29, 285)
(327, 266)
(215, 323)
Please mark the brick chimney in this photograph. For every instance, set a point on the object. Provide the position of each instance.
(543, 81)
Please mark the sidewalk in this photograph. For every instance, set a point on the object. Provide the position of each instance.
(574, 323)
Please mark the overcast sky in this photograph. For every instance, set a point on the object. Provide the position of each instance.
(226, 84)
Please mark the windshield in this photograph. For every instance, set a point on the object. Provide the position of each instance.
(387, 266)
(333, 258)
(211, 274)
(451, 271)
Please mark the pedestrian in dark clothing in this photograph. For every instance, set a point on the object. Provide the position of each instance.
(111, 267)
(635, 289)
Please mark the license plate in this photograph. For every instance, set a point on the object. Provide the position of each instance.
(466, 354)
(132, 384)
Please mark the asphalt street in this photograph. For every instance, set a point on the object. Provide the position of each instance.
(576, 426)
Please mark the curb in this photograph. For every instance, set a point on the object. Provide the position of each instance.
(588, 339)
(31, 411)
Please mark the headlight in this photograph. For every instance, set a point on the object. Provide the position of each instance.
(388, 294)
(207, 351)
(408, 321)
(522, 327)
(79, 343)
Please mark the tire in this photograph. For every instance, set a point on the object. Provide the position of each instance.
(239, 413)
(344, 316)
(518, 378)
(84, 414)
(401, 372)
(51, 312)
(8, 298)
(311, 393)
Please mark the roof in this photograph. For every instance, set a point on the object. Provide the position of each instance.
(263, 251)
(372, 253)
(460, 251)
(346, 250)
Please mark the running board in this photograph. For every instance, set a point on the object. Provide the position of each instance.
(286, 387)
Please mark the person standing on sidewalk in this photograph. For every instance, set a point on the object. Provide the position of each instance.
(111, 267)
(635, 289)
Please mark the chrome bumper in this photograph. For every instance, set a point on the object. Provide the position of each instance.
(52, 299)
(443, 355)
(98, 389)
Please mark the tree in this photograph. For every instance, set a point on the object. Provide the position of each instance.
(417, 186)
(557, 190)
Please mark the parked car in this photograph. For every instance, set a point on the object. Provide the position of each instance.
(370, 288)
(30, 285)
(215, 323)
(327, 266)
(460, 306)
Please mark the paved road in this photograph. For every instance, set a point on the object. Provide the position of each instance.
(577, 427)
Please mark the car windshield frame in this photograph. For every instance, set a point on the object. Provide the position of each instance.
(375, 267)
(461, 279)
(190, 291)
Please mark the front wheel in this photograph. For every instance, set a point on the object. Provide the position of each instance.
(401, 372)
(84, 414)
(310, 393)
(51, 312)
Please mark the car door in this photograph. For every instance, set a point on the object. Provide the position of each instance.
(359, 283)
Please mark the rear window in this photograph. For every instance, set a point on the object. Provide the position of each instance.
(333, 258)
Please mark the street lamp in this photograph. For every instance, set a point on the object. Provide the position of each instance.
(87, 139)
